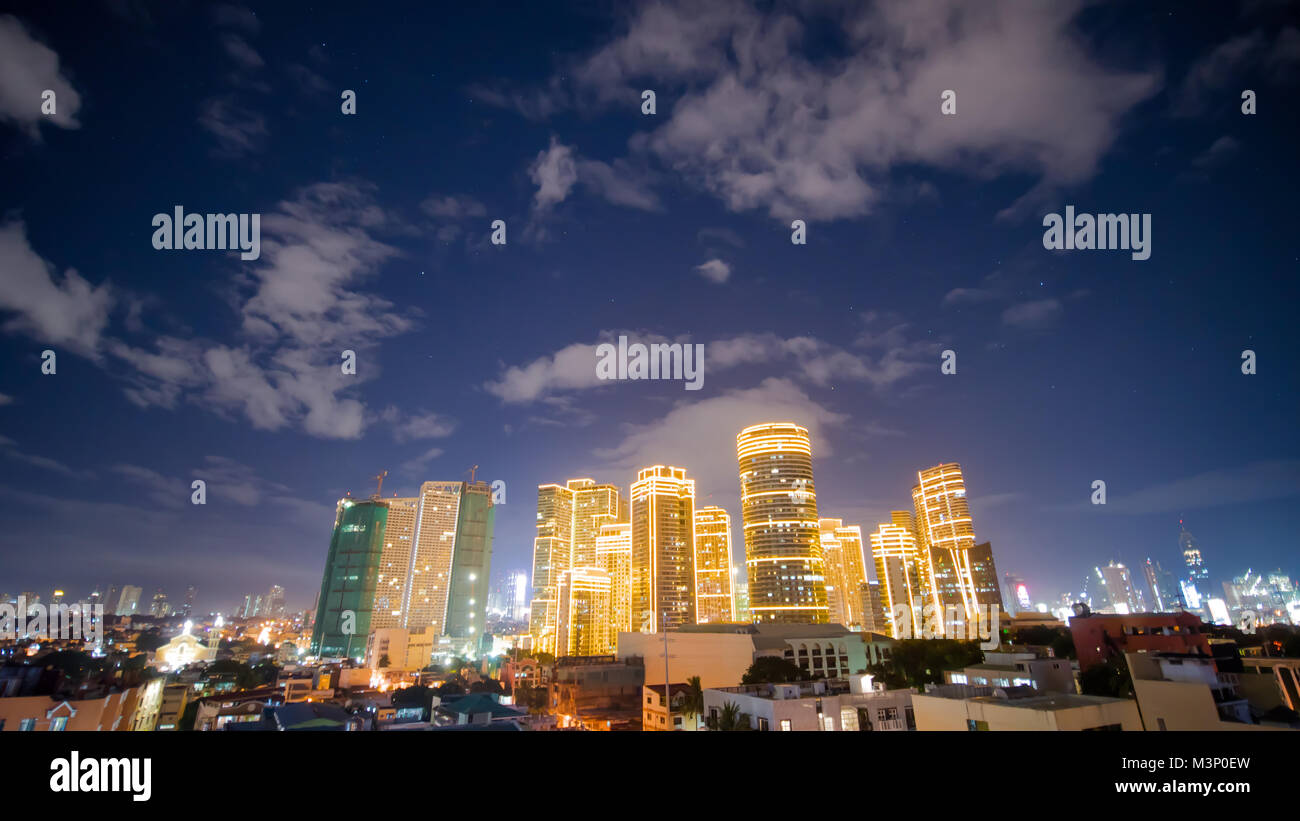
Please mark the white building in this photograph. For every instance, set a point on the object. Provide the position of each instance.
(812, 706)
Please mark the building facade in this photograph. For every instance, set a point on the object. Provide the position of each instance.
(778, 500)
(846, 572)
(663, 549)
(714, 601)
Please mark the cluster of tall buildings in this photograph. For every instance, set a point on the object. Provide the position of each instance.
(263, 605)
(418, 564)
(928, 557)
(605, 563)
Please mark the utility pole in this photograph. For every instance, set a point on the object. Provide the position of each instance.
(668, 699)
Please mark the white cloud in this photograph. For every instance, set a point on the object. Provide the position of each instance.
(763, 126)
(28, 68)
(421, 425)
(9, 449)
(238, 130)
(301, 307)
(715, 270)
(890, 355)
(1033, 315)
(418, 463)
(553, 172)
(72, 312)
(701, 434)
(241, 52)
(570, 368)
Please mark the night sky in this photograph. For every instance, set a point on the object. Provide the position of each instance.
(925, 233)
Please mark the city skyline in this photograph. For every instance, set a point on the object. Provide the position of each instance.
(923, 234)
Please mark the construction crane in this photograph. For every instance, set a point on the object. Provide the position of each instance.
(471, 473)
(380, 477)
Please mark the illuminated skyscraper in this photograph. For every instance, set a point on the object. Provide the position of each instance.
(551, 552)
(873, 609)
(347, 593)
(614, 556)
(893, 547)
(593, 505)
(583, 618)
(471, 565)
(428, 571)
(714, 601)
(127, 605)
(1196, 585)
(273, 604)
(984, 576)
(569, 522)
(778, 500)
(945, 537)
(845, 572)
(1122, 596)
(663, 549)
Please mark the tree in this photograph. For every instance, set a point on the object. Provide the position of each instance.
(1063, 645)
(917, 662)
(773, 670)
(533, 699)
(729, 719)
(1111, 678)
(242, 673)
(693, 701)
(417, 696)
(490, 685)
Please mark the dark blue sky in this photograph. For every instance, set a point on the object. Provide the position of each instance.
(925, 234)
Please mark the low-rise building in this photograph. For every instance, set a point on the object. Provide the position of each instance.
(972, 707)
(113, 711)
(1099, 637)
(1045, 674)
(839, 705)
(597, 692)
(721, 653)
(1186, 691)
(1283, 672)
(656, 715)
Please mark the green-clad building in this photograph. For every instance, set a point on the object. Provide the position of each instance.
(347, 592)
(471, 564)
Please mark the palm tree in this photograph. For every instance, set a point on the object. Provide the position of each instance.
(730, 719)
(692, 706)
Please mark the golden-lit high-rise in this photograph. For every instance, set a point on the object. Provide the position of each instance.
(893, 548)
(394, 563)
(846, 572)
(570, 518)
(593, 506)
(552, 549)
(945, 536)
(582, 616)
(663, 549)
(614, 556)
(714, 601)
(778, 503)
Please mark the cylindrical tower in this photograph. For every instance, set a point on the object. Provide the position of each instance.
(778, 502)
